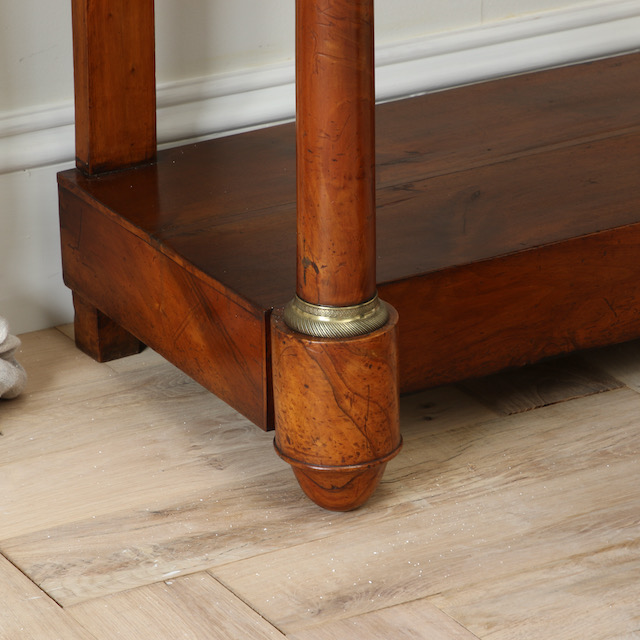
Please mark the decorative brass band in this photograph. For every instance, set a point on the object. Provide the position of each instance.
(335, 322)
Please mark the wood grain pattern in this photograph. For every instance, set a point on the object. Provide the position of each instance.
(489, 519)
(216, 337)
(511, 117)
(532, 514)
(602, 607)
(467, 321)
(196, 607)
(336, 410)
(197, 521)
(490, 260)
(407, 621)
(123, 460)
(175, 203)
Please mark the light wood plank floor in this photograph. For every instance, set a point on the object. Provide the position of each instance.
(135, 504)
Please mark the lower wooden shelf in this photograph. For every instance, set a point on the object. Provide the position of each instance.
(508, 231)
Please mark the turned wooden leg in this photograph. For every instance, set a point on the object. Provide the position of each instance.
(99, 336)
(336, 410)
(334, 345)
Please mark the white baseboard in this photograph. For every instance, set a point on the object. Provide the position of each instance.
(537, 41)
(222, 104)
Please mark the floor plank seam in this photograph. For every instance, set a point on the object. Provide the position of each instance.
(29, 578)
(402, 604)
(246, 602)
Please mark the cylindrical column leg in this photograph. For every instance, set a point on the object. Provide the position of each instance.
(335, 164)
(335, 152)
(334, 345)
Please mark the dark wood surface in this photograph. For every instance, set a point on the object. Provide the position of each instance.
(517, 309)
(507, 222)
(216, 341)
(199, 196)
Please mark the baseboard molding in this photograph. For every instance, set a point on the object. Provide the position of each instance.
(223, 104)
(537, 41)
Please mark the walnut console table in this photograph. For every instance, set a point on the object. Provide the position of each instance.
(508, 230)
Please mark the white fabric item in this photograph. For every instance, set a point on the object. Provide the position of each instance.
(13, 377)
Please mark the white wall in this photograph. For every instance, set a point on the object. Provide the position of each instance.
(218, 72)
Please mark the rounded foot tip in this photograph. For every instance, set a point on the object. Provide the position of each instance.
(339, 489)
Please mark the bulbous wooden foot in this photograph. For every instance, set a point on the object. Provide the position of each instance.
(336, 410)
(338, 488)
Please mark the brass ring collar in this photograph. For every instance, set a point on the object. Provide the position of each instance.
(323, 321)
